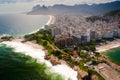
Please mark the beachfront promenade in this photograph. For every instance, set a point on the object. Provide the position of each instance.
(109, 45)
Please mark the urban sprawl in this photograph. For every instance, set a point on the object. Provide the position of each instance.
(69, 30)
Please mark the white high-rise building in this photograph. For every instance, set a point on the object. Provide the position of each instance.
(92, 35)
(88, 35)
(108, 34)
(55, 31)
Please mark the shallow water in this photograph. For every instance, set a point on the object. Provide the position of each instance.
(113, 55)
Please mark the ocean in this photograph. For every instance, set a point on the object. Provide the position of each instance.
(21, 24)
(21, 61)
(17, 66)
(113, 55)
(25, 61)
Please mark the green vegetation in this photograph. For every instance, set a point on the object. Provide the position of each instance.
(40, 35)
(44, 37)
(6, 38)
(16, 66)
(92, 48)
(67, 50)
(92, 72)
(88, 48)
(89, 70)
(113, 13)
(95, 18)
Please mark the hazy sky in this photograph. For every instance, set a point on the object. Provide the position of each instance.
(10, 6)
(49, 2)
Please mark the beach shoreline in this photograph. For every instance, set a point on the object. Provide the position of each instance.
(38, 52)
(32, 49)
(51, 20)
(108, 46)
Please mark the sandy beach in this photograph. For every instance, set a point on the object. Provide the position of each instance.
(51, 20)
(108, 46)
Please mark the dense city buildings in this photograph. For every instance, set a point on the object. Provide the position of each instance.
(82, 30)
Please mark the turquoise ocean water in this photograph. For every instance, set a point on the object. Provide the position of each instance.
(17, 66)
(113, 55)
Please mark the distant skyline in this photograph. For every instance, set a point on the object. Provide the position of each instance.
(13, 6)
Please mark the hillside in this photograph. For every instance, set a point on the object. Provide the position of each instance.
(113, 13)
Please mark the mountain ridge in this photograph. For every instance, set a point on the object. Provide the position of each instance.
(81, 9)
(113, 13)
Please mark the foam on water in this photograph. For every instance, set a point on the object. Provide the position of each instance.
(39, 54)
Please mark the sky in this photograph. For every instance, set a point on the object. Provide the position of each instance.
(18, 6)
(51, 2)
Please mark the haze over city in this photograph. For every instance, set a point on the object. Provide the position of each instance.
(19, 6)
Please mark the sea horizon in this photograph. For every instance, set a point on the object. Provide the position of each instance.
(34, 24)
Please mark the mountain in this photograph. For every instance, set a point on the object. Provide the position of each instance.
(82, 9)
(113, 13)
